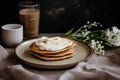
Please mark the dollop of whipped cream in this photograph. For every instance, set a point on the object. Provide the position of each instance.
(52, 43)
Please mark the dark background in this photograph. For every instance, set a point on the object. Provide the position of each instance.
(62, 15)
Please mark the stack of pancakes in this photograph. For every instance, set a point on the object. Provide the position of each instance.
(50, 55)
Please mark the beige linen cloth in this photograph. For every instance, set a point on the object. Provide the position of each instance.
(96, 68)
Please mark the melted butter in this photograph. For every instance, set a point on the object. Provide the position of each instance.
(53, 43)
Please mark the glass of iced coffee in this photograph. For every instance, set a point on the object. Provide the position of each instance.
(29, 13)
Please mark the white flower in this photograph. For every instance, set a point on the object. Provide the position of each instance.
(108, 33)
(93, 43)
(113, 36)
(115, 29)
(85, 33)
(98, 48)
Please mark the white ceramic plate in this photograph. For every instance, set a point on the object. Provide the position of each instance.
(83, 52)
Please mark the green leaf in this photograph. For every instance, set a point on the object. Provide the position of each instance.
(97, 33)
(79, 35)
(73, 37)
(68, 33)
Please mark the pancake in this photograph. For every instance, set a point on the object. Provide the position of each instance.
(69, 51)
(51, 55)
(49, 58)
(36, 49)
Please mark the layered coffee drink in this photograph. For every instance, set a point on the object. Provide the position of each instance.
(30, 18)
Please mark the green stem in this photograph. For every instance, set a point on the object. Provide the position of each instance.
(77, 30)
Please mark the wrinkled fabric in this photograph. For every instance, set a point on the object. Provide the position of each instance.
(3, 53)
(105, 67)
(85, 71)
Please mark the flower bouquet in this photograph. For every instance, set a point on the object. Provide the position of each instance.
(98, 40)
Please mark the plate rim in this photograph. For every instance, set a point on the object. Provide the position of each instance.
(52, 66)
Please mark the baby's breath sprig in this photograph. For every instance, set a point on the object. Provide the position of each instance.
(87, 26)
(98, 40)
(92, 38)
